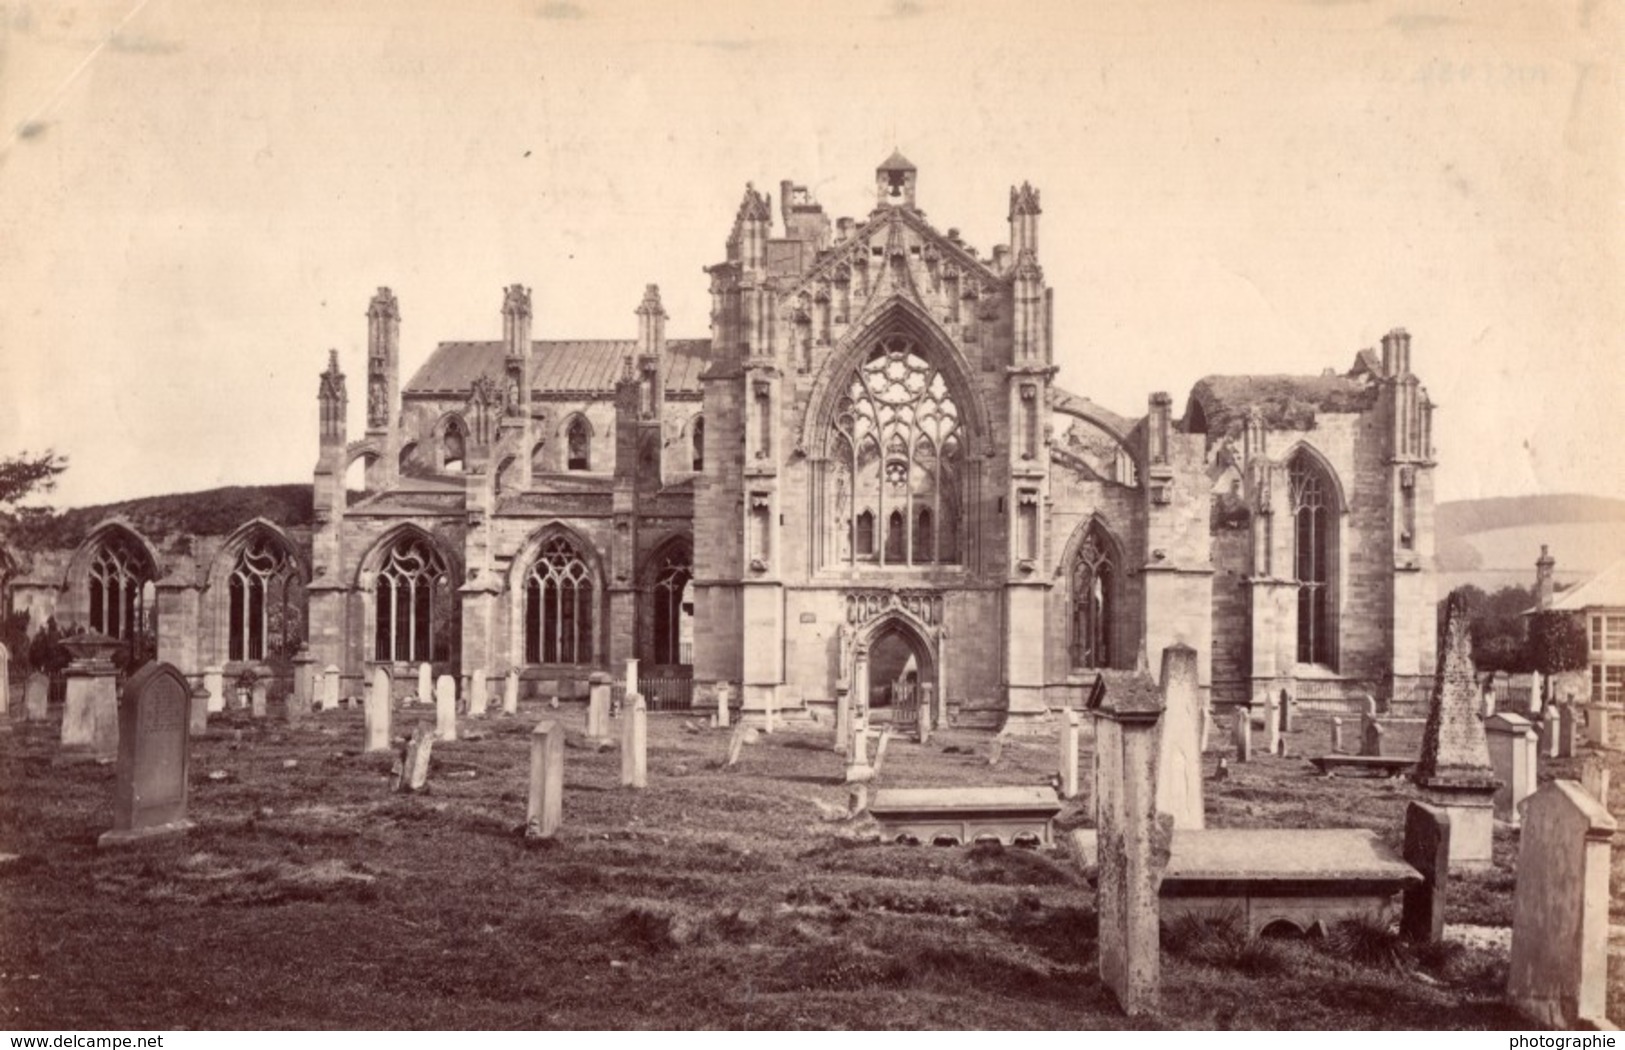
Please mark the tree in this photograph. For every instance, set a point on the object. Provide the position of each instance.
(1557, 642)
(23, 475)
(1497, 623)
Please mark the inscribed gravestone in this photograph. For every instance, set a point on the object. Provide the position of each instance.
(635, 743)
(1427, 849)
(379, 710)
(415, 760)
(1514, 748)
(90, 722)
(1179, 781)
(1242, 735)
(36, 695)
(544, 810)
(153, 752)
(598, 689)
(425, 684)
(445, 708)
(479, 697)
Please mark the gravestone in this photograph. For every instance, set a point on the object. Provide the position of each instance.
(1132, 839)
(510, 692)
(90, 720)
(445, 708)
(198, 720)
(1179, 780)
(544, 809)
(1568, 731)
(1488, 707)
(1287, 713)
(425, 684)
(1069, 753)
(928, 711)
(1514, 752)
(1337, 735)
(415, 760)
(1598, 719)
(843, 719)
(598, 688)
(1272, 724)
(1242, 735)
(880, 750)
(858, 769)
(303, 697)
(724, 705)
(214, 680)
(257, 694)
(380, 710)
(736, 744)
(1454, 769)
(631, 678)
(36, 696)
(1371, 732)
(154, 747)
(479, 696)
(1559, 970)
(330, 688)
(1427, 849)
(635, 742)
(1594, 776)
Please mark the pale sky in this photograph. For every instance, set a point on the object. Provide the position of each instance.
(198, 199)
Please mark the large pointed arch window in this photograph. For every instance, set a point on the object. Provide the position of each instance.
(560, 593)
(120, 580)
(1094, 598)
(414, 604)
(265, 601)
(1314, 557)
(897, 459)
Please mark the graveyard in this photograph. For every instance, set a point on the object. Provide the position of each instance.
(309, 892)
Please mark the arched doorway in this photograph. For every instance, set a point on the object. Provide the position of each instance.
(900, 662)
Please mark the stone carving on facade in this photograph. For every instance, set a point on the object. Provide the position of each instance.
(866, 605)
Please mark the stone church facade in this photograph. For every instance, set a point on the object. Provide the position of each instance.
(866, 474)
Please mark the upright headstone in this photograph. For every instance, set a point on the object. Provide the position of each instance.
(544, 809)
(1179, 779)
(445, 708)
(1371, 737)
(1488, 703)
(1514, 747)
(1548, 732)
(1241, 734)
(635, 743)
(330, 688)
(1559, 970)
(1454, 769)
(479, 696)
(1537, 692)
(1068, 757)
(380, 710)
(843, 719)
(258, 698)
(858, 769)
(1132, 839)
(725, 698)
(198, 722)
(36, 697)
(1272, 724)
(214, 680)
(1594, 777)
(303, 696)
(598, 687)
(1568, 731)
(425, 684)
(415, 760)
(632, 685)
(154, 747)
(510, 692)
(1427, 849)
(736, 744)
(1287, 713)
(90, 720)
(880, 750)
(1337, 735)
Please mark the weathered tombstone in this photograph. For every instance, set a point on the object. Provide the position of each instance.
(724, 705)
(303, 696)
(1069, 753)
(1133, 840)
(1454, 769)
(154, 747)
(214, 680)
(510, 692)
(1594, 776)
(1272, 724)
(36, 695)
(1371, 737)
(1559, 970)
(1287, 713)
(843, 719)
(330, 688)
(380, 710)
(1427, 849)
(1337, 735)
(1513, 755)
(479, 696)
(197, 724)
(631, 679)
(1546, 729)
(1599, 732)
(598, 689)
(257, 698)
(1568, 731)
(880, 750)
(1179, 767)
(425, 684)
(90, 722)
(1242, 734)
(635, 742)
(445, 708)
(736, 744)
(544, 809)
(1537, 692)
(415, 760)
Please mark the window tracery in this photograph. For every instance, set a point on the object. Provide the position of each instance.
(1094, 599)
(414, 604)
(119, 573)
(265, 605)
(560, 593)
(1312, 558)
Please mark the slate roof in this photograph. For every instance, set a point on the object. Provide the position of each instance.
(588, 366)
(1604, 590)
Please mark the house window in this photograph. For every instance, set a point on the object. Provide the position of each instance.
(1608, 634)
(1094, 584)
(1313, 553)
(1607, 684)
(119, 575)
(578, 440)
(559, 599)
(265, 603)
(414, 604)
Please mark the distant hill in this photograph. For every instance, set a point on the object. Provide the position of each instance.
(215, 512)
(1494, 542)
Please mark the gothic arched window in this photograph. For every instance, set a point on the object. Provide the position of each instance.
(578, 442)
(1094, 600)
(559, 596)
(672, 609)
(414, 603)
(265, 604)
(697, 439)
(454, 444)
(896, 456)
(1313, 556)
(120, 573)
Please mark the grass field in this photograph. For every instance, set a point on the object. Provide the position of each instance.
(311, 896)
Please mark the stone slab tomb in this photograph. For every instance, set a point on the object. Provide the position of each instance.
(154, 749)
(960, 816)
